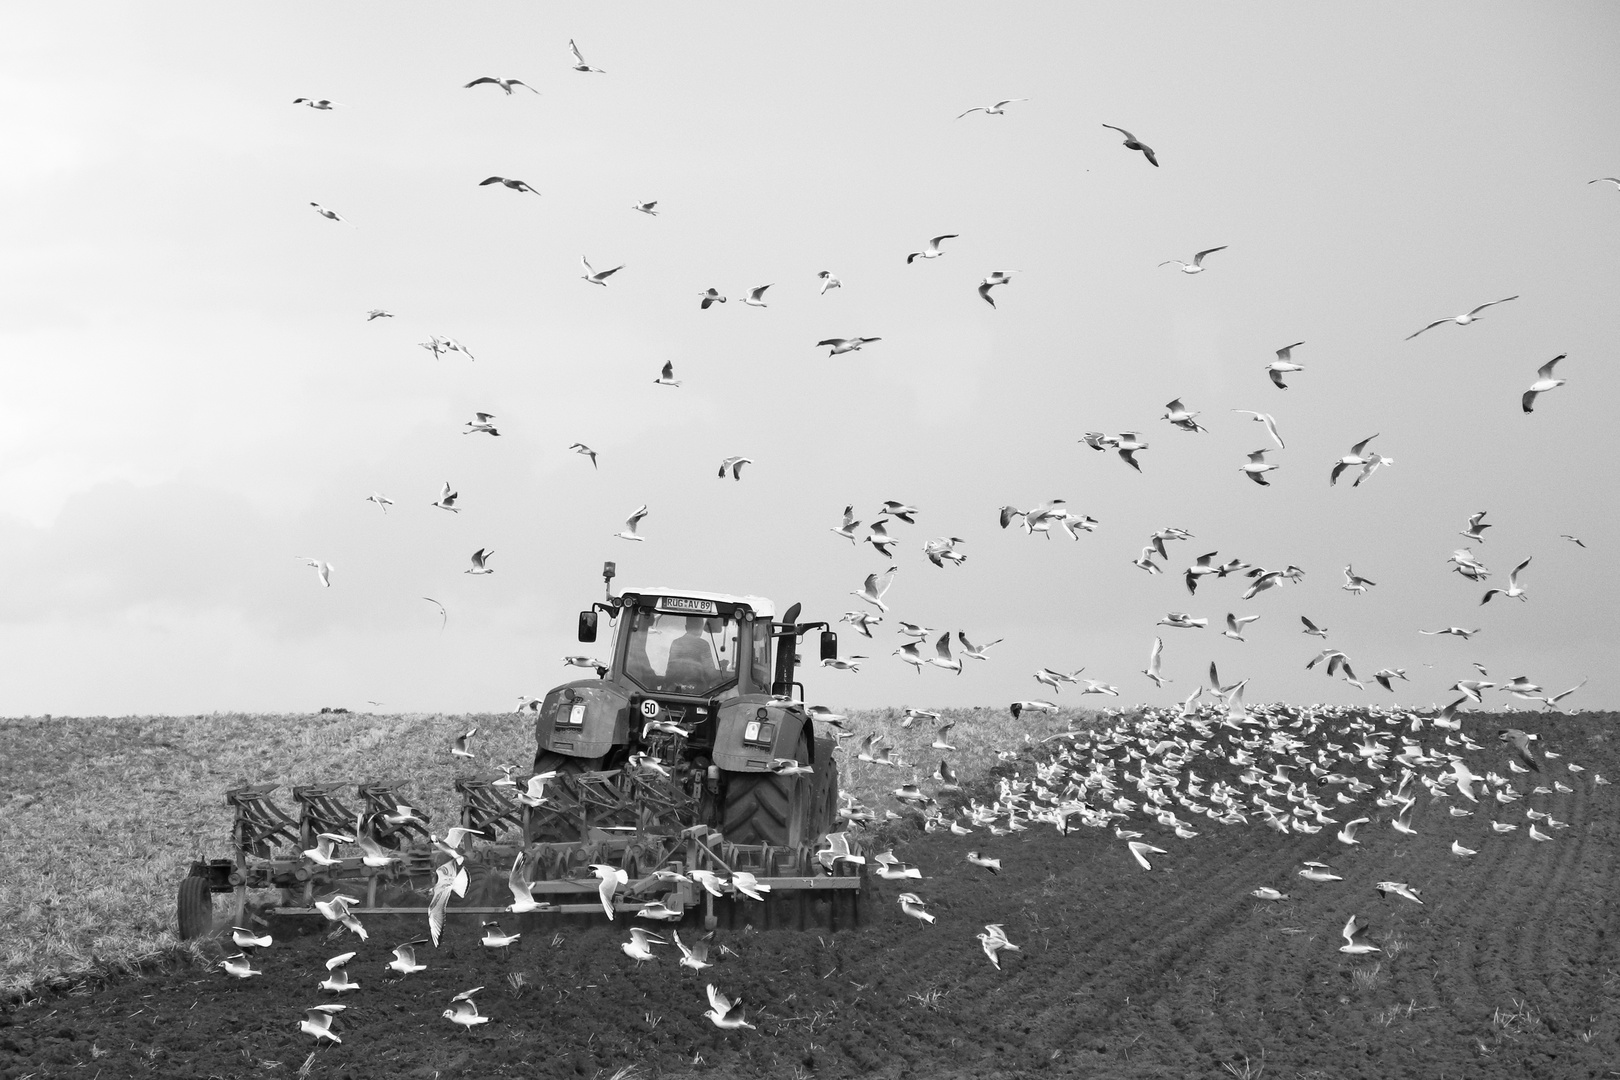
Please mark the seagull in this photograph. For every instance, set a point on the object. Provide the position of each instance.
(323, 570)
(1354, 583)
(247, 939)
(725, 1014)
(1572, 539)
(994, 939)
(910, 654)
(449, 877)
(972, 651)
(639, 947)
(1133, 143)
(996, 277)
(517, 879)
(1458, 849)
(871, 593)
(480, 557)
(1385, 677)
(648, 208)
(749, 885)
(515, 185)
(481, 422)
(1615, 180)
(338, 982)
(585, 451)
(1154, 656)
(1549, 702)
(1312, 629)
(239, 966)
(447, 499)
(1544, 382)
(579, 61)
(1476, 527)
(331, 215)
(464, 1011)
(611, 877)
(695, 956)
(1354, 457)
(667, 378)
(709, 296)
(1178, 415)
(1128, 444)
(754, 296)
(459, 749)
(1513, 591)
(1521, 743)
(828, 281)
(900, 510)
(1355, 941)
(596, 277)
(1257, 468)
(318, 1022)
(1235, 625)
(1140, 852)
(942, 657)
(1197, 265)
(327, 105)
(1347, 832)
(631, 522)
(912, 904)
(862, 621)
(1199, 569)
(1266, 419)
(847, 529)
(1264, 893)
(932, 251)
(1315, 871)
(404, 960)
(1284, 364)
(378, 313)
(1000, 108)
(735, 464)
(1454, 631)
(1464, 319)
(504, 84)
(381, 500)
(844, 345)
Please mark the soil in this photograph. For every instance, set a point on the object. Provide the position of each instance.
(1511, 967)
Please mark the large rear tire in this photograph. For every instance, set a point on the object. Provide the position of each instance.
(765, 808)
(564, 765)
(551, 828)
(196, 914)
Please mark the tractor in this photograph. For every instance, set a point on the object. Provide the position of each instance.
(687, 752)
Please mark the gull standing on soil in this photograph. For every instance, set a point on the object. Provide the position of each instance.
(1265, 893)
(631, 522)
(1284, 364)
(932, 251)
(1544, 382)
(1197, 265)
(1133, 143)
(1463, 319)
(504, 84)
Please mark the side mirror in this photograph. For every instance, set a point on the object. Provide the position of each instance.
(587, 626)
(829, 645)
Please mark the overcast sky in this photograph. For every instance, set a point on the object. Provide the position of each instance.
(193, 395)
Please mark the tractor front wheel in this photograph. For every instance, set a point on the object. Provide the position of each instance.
(196, 908)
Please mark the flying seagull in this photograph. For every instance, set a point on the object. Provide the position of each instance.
(1197, 265)
(996, 277)
(504, 84)
(579, 60)
(596, 277)
(327, 105)
(515, 185)
(332, 215)
(1133, 143)
(668, 377)
(631, 522)
(932, 251)
(1283, 365)
(582, 449)
(1463, 319)
(479, 558)
(844, 345)
(648, 208)
(998, 109)
(735, 464)
(1544, 382)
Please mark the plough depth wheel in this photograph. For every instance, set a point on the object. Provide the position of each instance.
(196, 908)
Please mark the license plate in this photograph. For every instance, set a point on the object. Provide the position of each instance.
(685, 605)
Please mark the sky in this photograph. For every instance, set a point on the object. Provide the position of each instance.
(193, 397)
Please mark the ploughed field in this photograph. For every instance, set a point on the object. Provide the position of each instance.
(1509, 967)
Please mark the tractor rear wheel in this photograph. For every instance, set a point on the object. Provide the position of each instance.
(196, 908)
(564, 765)
(766, 808)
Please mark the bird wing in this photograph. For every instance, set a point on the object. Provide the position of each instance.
(1198, 259)
(1545, 370)
(1493, 303)
(1431, 326)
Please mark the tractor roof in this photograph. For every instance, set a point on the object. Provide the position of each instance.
(759, 605)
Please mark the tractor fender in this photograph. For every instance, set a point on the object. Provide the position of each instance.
(779, 726)
(583, 719)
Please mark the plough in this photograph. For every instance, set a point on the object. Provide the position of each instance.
(632, 819)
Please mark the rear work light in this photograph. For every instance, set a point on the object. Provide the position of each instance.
(575, 715)
(759, 733)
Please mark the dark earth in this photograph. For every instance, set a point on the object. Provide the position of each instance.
(1510, 968)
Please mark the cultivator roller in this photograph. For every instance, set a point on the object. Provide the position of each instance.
(634, 820)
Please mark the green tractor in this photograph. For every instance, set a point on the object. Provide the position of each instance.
(702, 684)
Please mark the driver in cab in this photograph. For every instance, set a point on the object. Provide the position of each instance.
(691, 657)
